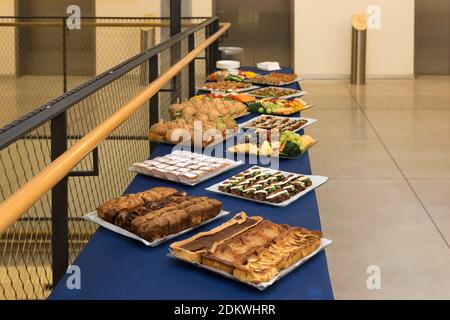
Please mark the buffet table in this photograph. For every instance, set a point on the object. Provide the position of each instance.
(116, 267)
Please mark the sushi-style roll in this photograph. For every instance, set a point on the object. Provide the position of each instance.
(260, 195)
(225, 187)
(279, 176)
(291, 189)
(306, 180)
(299, 186)
(237, 190)
(278, 197)
(249, 192)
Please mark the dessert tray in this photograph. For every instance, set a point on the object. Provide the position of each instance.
(268, 122)
(280, 107)
(185, 167)
(251, 250)
(156, 215)
(264, 185)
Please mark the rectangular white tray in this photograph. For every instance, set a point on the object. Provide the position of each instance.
(324, 242)
(253, 87)
(276, 85)
(309, 122)
(216, 142)
(232, 164)
(308, 106)
(316, 182)
(93, 216)
(299, 93)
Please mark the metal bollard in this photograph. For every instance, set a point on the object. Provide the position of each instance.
(359, 34)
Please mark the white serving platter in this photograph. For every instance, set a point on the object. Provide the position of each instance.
(316, 182)
(324, 242)
(298, 93)
(190, 144)
(276, 85)
(231, 165)
(247, 124)
(93, 216)
(253, 87)
(306, 107)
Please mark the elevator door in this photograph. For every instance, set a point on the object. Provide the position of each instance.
(261, 27)
(40, 48)
(432, 37)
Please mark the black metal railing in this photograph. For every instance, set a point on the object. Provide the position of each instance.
(35, 251)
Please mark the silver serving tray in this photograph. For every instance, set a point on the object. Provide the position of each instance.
(324, 242)
(93, 216)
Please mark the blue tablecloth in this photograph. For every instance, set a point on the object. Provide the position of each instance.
(116, 267)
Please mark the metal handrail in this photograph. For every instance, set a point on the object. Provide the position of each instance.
(24, 198)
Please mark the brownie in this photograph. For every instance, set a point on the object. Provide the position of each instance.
(158, 212)
(110, 209)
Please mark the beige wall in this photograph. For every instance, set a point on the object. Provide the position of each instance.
(201, 8)
(115, 45)
(322, 38)
(126, 8)
(7, 52)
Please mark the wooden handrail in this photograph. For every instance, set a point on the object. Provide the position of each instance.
(20, 201)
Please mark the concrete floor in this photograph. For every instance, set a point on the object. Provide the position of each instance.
(385, 147)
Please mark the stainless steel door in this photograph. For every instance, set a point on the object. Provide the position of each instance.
(261, 27)
(432, 37)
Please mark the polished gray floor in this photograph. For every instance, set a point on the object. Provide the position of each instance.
(386, 148)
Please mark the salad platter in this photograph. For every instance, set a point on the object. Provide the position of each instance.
(237, 75)
(281, 107)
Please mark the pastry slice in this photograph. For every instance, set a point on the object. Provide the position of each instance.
(192, 248)
(284, 251)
